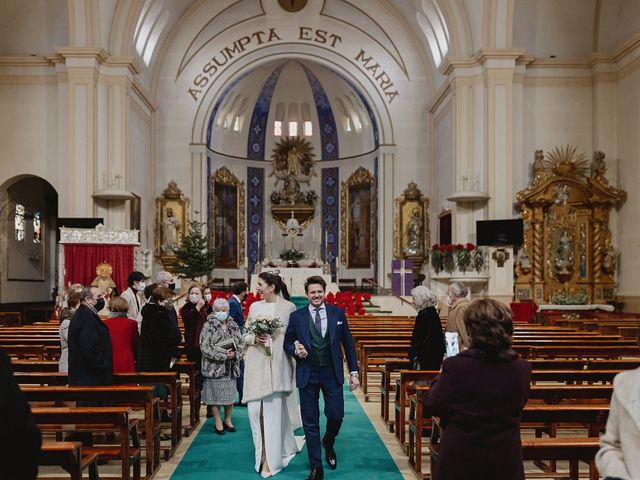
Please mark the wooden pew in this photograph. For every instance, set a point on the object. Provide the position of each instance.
(69, 456)
(170, 379)
(403, 390)
(140, 397)
(193, 373)
(98, 419)
(387, 387)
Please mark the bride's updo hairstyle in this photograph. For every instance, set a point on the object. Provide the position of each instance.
(280, 288)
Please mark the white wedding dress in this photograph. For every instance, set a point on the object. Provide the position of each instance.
(274, 416)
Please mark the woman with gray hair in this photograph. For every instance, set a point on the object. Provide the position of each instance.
(221, 347)
(427, 341)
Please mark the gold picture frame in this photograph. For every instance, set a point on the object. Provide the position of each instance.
(358, 219)
(227, 218)
(411, 234)
(171, 222)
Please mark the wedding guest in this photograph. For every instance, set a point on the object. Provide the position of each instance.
(125, 340)
(159, 341)
(73, 301)
(269, 381)
(458, 303)
(427, 341)
(480, 394)
(618, 458)
(194, 315)
(148, 290)
(240, 292)
(220, 364)
(21, 436)
(207, 295)
(90, 354)
(134, 293)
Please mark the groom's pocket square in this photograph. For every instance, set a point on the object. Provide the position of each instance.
(339, 323)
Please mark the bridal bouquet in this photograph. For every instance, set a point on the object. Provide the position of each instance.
(265, 325)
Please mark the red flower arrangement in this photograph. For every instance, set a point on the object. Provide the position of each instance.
(450, 256)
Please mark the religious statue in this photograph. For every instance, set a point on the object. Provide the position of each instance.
(103, 279)
(293, 164)
(563, 258)
(609, 260)
(598, 167)
(170, 232)
(538, 167)
(414, 233)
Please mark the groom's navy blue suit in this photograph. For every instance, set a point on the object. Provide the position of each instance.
(311, 378)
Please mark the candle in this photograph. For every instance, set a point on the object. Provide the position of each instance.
(258, 242)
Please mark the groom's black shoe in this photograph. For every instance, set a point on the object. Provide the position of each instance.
(330, 455)
(315, 474)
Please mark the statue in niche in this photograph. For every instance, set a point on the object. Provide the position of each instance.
(563, 259)
(414, 233)
(103, 279)
(598, 167)
(561, 194)
(293, 164)
(170, 232)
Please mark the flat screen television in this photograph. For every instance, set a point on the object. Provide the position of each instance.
(499, 233)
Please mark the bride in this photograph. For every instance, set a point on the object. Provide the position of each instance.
(269, 382)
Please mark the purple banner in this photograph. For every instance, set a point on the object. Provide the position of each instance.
(402, 277)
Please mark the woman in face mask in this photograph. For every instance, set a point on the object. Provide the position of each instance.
(221, 347)
(194, 315)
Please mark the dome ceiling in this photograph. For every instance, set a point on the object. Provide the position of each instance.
(289, 98)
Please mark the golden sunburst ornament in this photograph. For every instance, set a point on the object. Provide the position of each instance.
(567, 162)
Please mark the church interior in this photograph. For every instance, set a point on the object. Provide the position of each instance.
(378, 144)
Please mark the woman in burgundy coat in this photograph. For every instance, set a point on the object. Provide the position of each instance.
(194, 315)
(479, 397)
(125, 340)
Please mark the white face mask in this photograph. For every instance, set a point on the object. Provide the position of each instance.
(449, 300)
(222, 316)
(207, 297)
(142, 286)
(194, 298)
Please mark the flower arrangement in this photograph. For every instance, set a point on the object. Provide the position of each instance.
(264, 325)
(291, 254)
(449, 257)
(351, 302)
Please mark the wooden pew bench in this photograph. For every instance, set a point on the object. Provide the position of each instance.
(193, 373)
(132, 396)
(388, 387)
(68, 455)
(95, 419)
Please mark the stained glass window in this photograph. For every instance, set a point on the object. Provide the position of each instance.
(19, 222)
(37, 232)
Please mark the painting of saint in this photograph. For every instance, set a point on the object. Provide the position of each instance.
(359, 241)
(225, 223)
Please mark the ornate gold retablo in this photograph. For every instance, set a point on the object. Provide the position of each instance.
(567, 256)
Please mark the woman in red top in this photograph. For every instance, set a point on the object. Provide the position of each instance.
(125, 339)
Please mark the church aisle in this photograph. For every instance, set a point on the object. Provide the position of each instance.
(361, 452)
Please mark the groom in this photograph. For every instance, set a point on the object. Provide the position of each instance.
(314, 336)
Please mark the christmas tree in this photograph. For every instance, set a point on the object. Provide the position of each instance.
(194, 258)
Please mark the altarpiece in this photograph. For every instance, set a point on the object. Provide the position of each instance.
(568, 256)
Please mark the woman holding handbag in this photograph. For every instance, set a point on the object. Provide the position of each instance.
(427, 341)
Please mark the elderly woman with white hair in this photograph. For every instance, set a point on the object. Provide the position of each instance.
(427, 342)
(221, 347)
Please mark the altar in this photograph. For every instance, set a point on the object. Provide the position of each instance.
(294, 278)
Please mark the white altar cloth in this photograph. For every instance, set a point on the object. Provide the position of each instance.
(595, 306)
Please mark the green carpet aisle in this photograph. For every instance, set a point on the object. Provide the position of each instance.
(361, 453)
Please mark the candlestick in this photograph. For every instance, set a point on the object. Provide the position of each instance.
(258, 247)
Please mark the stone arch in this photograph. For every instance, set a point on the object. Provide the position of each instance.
(363, 84)
(30, 263)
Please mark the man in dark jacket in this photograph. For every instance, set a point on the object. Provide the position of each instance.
(90, 354)
(20, 442)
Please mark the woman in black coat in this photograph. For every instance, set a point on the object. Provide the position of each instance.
(427, 342)
(479, 397)
(159, 339)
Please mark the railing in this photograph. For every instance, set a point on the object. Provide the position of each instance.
(381, 289)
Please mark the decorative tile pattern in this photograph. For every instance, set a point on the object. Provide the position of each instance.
(327, 127)
(258, 126)
(330, 217)
(255, 217)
